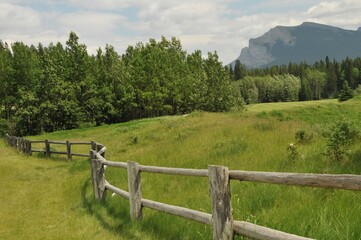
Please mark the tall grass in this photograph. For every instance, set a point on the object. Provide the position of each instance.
(251, 140)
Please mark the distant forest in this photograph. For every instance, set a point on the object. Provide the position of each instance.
(298, 81)
(56, 87)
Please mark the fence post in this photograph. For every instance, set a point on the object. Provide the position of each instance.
(26, 146)
(18, 140)
(23, 145)
(98, 176)
(29, 147)
(221, 203)
(93, 145)
(135, 192)
(98, 148)
(93, 173)
(68, 149)
(47, 148)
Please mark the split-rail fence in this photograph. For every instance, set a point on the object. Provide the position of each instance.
(26, 146)
(219, 177)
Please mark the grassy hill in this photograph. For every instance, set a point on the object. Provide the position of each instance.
(53, 199)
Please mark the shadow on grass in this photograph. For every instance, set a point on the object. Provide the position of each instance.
(113, 215)
(112, 219)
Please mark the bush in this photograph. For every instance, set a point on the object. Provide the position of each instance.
(340, 138)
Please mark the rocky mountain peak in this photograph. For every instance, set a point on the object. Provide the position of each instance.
(308, 42)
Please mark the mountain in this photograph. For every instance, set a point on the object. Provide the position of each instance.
(308, 42)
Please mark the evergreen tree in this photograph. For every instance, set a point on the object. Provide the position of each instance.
(331, 81)
(346, 92)
(239, 70)
(305, 93)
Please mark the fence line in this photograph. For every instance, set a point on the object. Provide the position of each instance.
(26, 146)
(224, 227)
(219, 177)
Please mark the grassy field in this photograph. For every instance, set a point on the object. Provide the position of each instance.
(288, 105)
(52, 198)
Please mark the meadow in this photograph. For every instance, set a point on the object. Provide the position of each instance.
(53, 198)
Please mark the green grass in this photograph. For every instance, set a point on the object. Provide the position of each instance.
(254, 140)
(51, 199)
(287, 105)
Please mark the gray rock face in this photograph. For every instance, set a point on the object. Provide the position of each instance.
(308, 42)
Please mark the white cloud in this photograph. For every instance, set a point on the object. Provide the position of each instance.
(102, 5)
(92, 24)
(207, 25)
(15, 19)
(338, 13)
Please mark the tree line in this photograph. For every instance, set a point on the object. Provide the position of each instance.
(56, 87)
(323, 79)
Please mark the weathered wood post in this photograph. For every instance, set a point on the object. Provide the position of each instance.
(135, 192)
(99, 147)
(98, 176)
(18, 143)
(29, 147)
(26, 146)
(23, 145)
(93, 173)
(13, 141)
(47, 148)
(68, 149)
(221, 202)
(100, 179)
(93, 145)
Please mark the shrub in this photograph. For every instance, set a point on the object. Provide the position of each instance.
(340, 138)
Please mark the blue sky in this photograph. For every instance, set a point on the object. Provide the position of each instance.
(224, 26)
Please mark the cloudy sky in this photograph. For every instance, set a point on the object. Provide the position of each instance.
(208, 25)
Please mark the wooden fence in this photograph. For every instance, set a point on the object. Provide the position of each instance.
(224, 227)
(219, 177)
(26, 146)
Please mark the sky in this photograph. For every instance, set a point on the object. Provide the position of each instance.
(224, 26)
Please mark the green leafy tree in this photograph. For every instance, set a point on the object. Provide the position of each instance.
(248, 90)
(26, 74)
(193, 87)
(7, 84)
(219, 90)
(59, 106)
(77, 74)
(317, 81)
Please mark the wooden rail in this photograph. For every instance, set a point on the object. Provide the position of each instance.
(26, 146)
(219, 177)
(221, 219)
